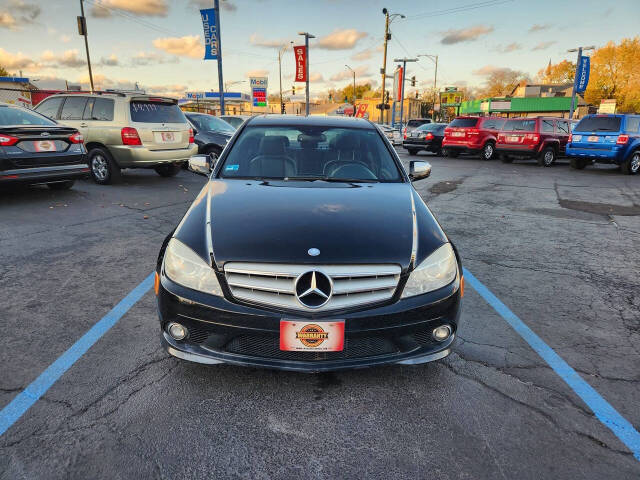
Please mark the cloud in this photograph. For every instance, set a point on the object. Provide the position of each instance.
(148, 8)
(539, 27)
(340, 39)
(543, 45)
(142, 59)
(363, 55)
(257, 73)
(362, 71)
(512, 47)
(257, 41)
(69, 58)
(173, 91)
(469, 34)
(488, 70)
(16, 61)
(110, 61)
(7, 21)
(65, 38)
(315, 77)
(24, 11)
(187, 46)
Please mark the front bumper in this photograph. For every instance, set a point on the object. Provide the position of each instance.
(55, 173)
(127, 156)
(221, 331)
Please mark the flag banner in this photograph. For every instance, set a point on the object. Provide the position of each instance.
(582, 74)
(210, 33)
(301, 63)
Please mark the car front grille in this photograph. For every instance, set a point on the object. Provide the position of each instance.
(275, 284)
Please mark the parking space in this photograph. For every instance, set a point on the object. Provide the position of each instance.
(557, 246)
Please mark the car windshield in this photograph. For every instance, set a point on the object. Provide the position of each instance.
(19, 116)
(519, 126)
(156, 112)
(464, 122)
(598, 124)
(310, 153)
(210, 123)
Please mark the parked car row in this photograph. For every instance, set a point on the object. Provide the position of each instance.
(612, 139)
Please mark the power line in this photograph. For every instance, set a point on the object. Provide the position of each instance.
(461, 8)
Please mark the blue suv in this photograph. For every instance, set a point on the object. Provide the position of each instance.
(606, 139)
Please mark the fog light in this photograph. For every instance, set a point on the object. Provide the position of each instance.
(441, 333)
(177, 331)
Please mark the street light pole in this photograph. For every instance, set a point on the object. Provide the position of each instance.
(216, 6)
(82, 25)
(575, 77)
(280, 53)
(404, 76)
(354, 89)
(433, 58)
(307, 36)
(388, 18)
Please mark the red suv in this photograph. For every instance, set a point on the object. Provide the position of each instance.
(542, 138)
(472, 135)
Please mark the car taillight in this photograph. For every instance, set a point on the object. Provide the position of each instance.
(570, 137)
(130, 136)
(191, 139)
(428, 136)
(531, 138)
(7, 140)
(405, 136)
(447, 132)
(472, 131)
(76, 138)
(622, 139)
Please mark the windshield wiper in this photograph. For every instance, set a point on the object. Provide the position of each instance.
(331, 179)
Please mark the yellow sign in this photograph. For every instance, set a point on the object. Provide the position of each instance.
(450, 98)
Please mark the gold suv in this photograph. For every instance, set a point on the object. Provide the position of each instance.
(124, 130)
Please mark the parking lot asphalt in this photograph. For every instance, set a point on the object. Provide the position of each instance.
(558, 247)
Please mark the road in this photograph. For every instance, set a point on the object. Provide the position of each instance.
(557, 247)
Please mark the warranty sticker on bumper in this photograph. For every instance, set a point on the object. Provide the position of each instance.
(306, 336)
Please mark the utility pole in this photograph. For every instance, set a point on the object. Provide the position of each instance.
(575, 77)
(216, 6)
(354, 89)
(82, 30)
(388, 18)
(280, 53)
(404, 76)
(307, 36)
(433, 58)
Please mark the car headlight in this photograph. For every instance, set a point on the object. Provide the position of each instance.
(436, 271)
(183, 266)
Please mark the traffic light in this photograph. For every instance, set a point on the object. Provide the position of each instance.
(283, 110)
(417, 96)
(293, 90)
(386, 96)
(413, 81)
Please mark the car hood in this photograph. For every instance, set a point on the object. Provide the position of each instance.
(280, 221)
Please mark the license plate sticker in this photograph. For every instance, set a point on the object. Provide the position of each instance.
(311, 336)
(593, 138)
(168, 136)
(45, 146)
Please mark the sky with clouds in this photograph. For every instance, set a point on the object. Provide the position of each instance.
(159, 43)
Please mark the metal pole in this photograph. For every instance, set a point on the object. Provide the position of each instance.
(354, 93)
(280, 73)
(306, 45)
(573, 91)
(404, 75)
(216, 6)
(86, 44)
(384, 61)
(435, 89)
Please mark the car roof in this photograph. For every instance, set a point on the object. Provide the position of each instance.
(312, 121)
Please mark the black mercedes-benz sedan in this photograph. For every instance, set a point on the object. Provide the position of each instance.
(36, 150)
(308, 249)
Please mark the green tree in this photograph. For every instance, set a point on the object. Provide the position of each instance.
(3, 72)
(501, 82)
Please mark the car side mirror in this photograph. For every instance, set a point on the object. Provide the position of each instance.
(419, 170)
(201, 164)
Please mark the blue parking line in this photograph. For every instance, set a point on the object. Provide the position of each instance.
(30, 395)
(608, 415)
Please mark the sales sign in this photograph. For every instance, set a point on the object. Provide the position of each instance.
(210, 33)
(582, 74)
(362, 109)
(301, 63)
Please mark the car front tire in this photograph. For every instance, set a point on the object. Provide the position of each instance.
(102, 167)
(170, 170)
(632, 165)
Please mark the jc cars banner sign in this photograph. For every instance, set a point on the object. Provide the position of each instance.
(582, 74)
(301, 63)
(210, 33)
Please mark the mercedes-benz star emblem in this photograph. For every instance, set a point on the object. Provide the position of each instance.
(314, 252)
(313, 289)
(45, 134)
